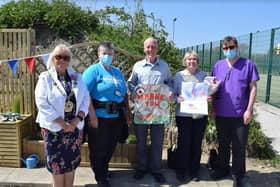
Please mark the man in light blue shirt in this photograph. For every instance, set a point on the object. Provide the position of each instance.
(152, 71)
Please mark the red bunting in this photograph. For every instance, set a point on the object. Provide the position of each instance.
(30, 63)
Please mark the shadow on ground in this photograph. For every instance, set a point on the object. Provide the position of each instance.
(124, 178)
(264, 179)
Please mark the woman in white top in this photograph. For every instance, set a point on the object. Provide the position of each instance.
(191, 127)
(62, 100)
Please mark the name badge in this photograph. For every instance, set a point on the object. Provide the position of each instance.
(118, 93)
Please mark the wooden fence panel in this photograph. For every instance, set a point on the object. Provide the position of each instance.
(16, 44)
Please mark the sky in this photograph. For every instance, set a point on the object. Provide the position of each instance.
(202, 21)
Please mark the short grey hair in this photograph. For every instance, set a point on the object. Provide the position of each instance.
(106, 45)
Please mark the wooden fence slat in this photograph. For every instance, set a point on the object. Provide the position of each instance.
(5, 71)
(1, 72)
(8, 137)
(8, 142)
(20, 91)
(32, 78)
(8, 145)
(13, 30)
(7, 151)
(24, 46)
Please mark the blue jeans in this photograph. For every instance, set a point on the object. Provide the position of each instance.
(190, 135)
(153, 161)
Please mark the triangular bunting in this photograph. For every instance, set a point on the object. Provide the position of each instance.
(30, 63)
(13, 66)
(45, 58)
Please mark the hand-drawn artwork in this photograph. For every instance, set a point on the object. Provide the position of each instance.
(151, 105)
(195, 98)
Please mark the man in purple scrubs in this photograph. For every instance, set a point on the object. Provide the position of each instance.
(233, 109)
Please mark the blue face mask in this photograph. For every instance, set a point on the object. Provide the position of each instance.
(106, 60)
(230, 53)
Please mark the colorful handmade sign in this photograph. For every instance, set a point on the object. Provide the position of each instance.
(151, 104)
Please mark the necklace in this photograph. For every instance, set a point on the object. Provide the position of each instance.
(68, 104)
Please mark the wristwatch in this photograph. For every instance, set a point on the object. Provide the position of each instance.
(80, 117)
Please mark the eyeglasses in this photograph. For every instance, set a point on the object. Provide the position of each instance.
(229, 47)
(65, 58)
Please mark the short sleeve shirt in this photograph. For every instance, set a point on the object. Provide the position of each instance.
(103, 84)
(150, 73)
(233, 94)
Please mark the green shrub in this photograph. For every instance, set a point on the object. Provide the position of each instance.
(275, 162)
(66, 19)
(259, 146)
(211, 132)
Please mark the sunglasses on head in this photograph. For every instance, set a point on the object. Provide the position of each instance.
(65, 58)
(229, 47)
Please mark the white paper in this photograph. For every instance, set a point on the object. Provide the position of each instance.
(195, 98)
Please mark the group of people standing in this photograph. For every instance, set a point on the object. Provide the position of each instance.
(64, 97)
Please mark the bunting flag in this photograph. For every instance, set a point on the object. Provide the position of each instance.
(30, 64)
(13, 66)
(45, 58)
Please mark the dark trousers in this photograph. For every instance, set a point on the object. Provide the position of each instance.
(190, 135)
(153, 162)
(102, 142)
(232, 131)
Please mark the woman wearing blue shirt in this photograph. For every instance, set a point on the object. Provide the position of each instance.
(108, 92)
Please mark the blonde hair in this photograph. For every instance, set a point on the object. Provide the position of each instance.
(188, 54)
(59, 47)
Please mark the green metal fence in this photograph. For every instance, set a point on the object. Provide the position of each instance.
(261, 48)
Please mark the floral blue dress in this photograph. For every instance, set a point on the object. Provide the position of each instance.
(63, 149)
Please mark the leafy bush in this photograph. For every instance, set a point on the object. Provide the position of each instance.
(211, 132)
(66, 20)
(258, 144)
(129, 32)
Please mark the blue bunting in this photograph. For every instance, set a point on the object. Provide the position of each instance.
(13, 66)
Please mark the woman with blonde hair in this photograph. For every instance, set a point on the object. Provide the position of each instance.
(191, 127)
(62, 100)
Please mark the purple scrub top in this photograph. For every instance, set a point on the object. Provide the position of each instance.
(233, 94)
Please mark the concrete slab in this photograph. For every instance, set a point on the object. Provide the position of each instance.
(257, 176)
(269, 118)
